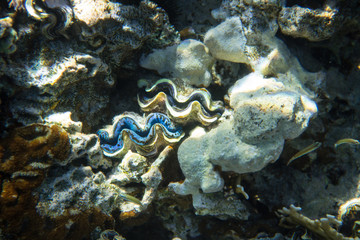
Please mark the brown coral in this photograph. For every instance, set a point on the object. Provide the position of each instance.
(29, 149)
(25, 156)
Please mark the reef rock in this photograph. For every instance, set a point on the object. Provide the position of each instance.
(258, 18)
(54, 78)
(82, 145)
(117, 30)
(227, 41)
(249, 139)
(314, 25)
(130, 169)
(214, 204)
(190, 60)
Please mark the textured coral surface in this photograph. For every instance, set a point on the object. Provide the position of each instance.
(265, 92)
(26, 155)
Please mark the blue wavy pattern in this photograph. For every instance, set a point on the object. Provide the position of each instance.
(137, 134)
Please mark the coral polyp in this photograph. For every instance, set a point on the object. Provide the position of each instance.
(182, 107)
(157, 131)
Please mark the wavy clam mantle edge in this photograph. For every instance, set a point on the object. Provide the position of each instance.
(157, 131)
(57, 22)
(181, 107)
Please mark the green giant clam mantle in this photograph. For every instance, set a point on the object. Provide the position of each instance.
(182, 107)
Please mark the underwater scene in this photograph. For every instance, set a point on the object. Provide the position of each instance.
(179, 119)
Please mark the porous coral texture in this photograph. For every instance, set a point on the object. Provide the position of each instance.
(312, 24)
(26, 155)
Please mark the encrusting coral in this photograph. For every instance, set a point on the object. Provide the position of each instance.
(26, 155)
(62, 72)
(81, 190)
(31, 148)
(312, 24)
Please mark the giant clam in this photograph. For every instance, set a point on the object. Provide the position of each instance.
(58, 14)
(8, 36)
(146, 139)
(180, 104)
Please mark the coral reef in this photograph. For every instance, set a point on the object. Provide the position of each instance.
(258, 18)
(227, 41)
(175, 163)
(249, 139)
(65, 192)
(30, 149)
(156, 131)
(57, 70)
(181, 106)
(53, 81)
(266, 111)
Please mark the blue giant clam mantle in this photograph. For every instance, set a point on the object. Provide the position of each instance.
(157, 131)
(180, 104)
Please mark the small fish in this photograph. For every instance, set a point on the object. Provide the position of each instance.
(346, 140)
(130, 198)
(304, 151)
